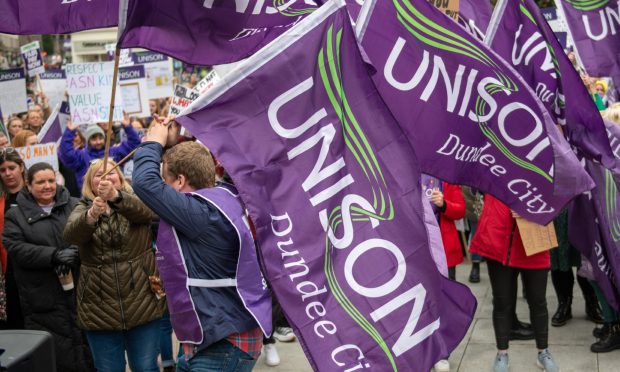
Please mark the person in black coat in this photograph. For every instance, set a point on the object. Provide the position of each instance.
(33, 238)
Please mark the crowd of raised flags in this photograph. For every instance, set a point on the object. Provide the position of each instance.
(327, 122)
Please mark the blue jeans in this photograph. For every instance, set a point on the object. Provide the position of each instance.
(141, 344)
(167, 359)
(221, 356)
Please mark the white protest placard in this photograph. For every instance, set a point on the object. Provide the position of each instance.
(158, 68)
(31, 53)
(183, 97)
(207, 82)
(124, 59)
(133, 89)
(90, 91)
(54, 83)
(43, 152)
(13, 99)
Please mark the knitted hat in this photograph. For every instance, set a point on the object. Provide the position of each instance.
(603, 84)
(91, 130)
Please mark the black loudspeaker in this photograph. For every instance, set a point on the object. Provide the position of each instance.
(27, 351)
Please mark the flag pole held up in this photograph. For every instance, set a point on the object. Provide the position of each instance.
(108, 134)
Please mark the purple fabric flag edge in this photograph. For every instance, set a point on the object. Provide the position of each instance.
(229, 81)
(581, 120)
(571, 183)
(56, 17)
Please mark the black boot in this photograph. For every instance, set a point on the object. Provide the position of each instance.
(474, 274)
(610, 342)
(520, 330)
(563, 314)
(593, 310)
(602, 332)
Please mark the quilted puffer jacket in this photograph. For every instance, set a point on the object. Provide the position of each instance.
(116, 260)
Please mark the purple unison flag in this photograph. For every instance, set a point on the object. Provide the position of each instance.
(594, 26)
(594, 229)
(594, 224)
(334, 191)
(53, 127)
(469, 116)
(520, 34)
(209, 32)
(354, 7)
(30, 17)
(475, 16)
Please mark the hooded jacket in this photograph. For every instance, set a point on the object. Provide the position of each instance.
(79, 160)
(31, 236)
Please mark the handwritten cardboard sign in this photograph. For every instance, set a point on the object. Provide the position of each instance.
(90, 91)
(449, 7)
(536, 238)
(43, 152)
(183, 97)
(207, 82)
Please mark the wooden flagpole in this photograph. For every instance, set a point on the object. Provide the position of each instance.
(123, 160)
(108, 135)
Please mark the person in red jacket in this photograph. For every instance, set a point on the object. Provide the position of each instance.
(451, 206)
(498, 240)
(449, 203)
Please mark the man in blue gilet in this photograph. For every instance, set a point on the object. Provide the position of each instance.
(218, 301)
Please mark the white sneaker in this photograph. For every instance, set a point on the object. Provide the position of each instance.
(284, 334)
(272, 358)
(442, 366)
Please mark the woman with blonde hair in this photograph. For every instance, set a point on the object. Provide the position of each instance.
(14, 126)
(116, 305)
(612, 113)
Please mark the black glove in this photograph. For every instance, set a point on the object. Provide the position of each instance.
(66, 256)
(62, 270)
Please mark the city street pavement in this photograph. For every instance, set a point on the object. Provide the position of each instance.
(570, 344)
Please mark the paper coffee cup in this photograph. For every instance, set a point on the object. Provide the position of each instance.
(66, 281)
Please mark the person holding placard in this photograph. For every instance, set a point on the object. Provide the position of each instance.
(79, 159)
(498, 239)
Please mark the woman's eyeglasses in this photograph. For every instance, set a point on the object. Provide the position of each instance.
(6, 151)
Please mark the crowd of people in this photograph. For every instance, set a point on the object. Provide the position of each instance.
(86, 250)
(79, 245)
